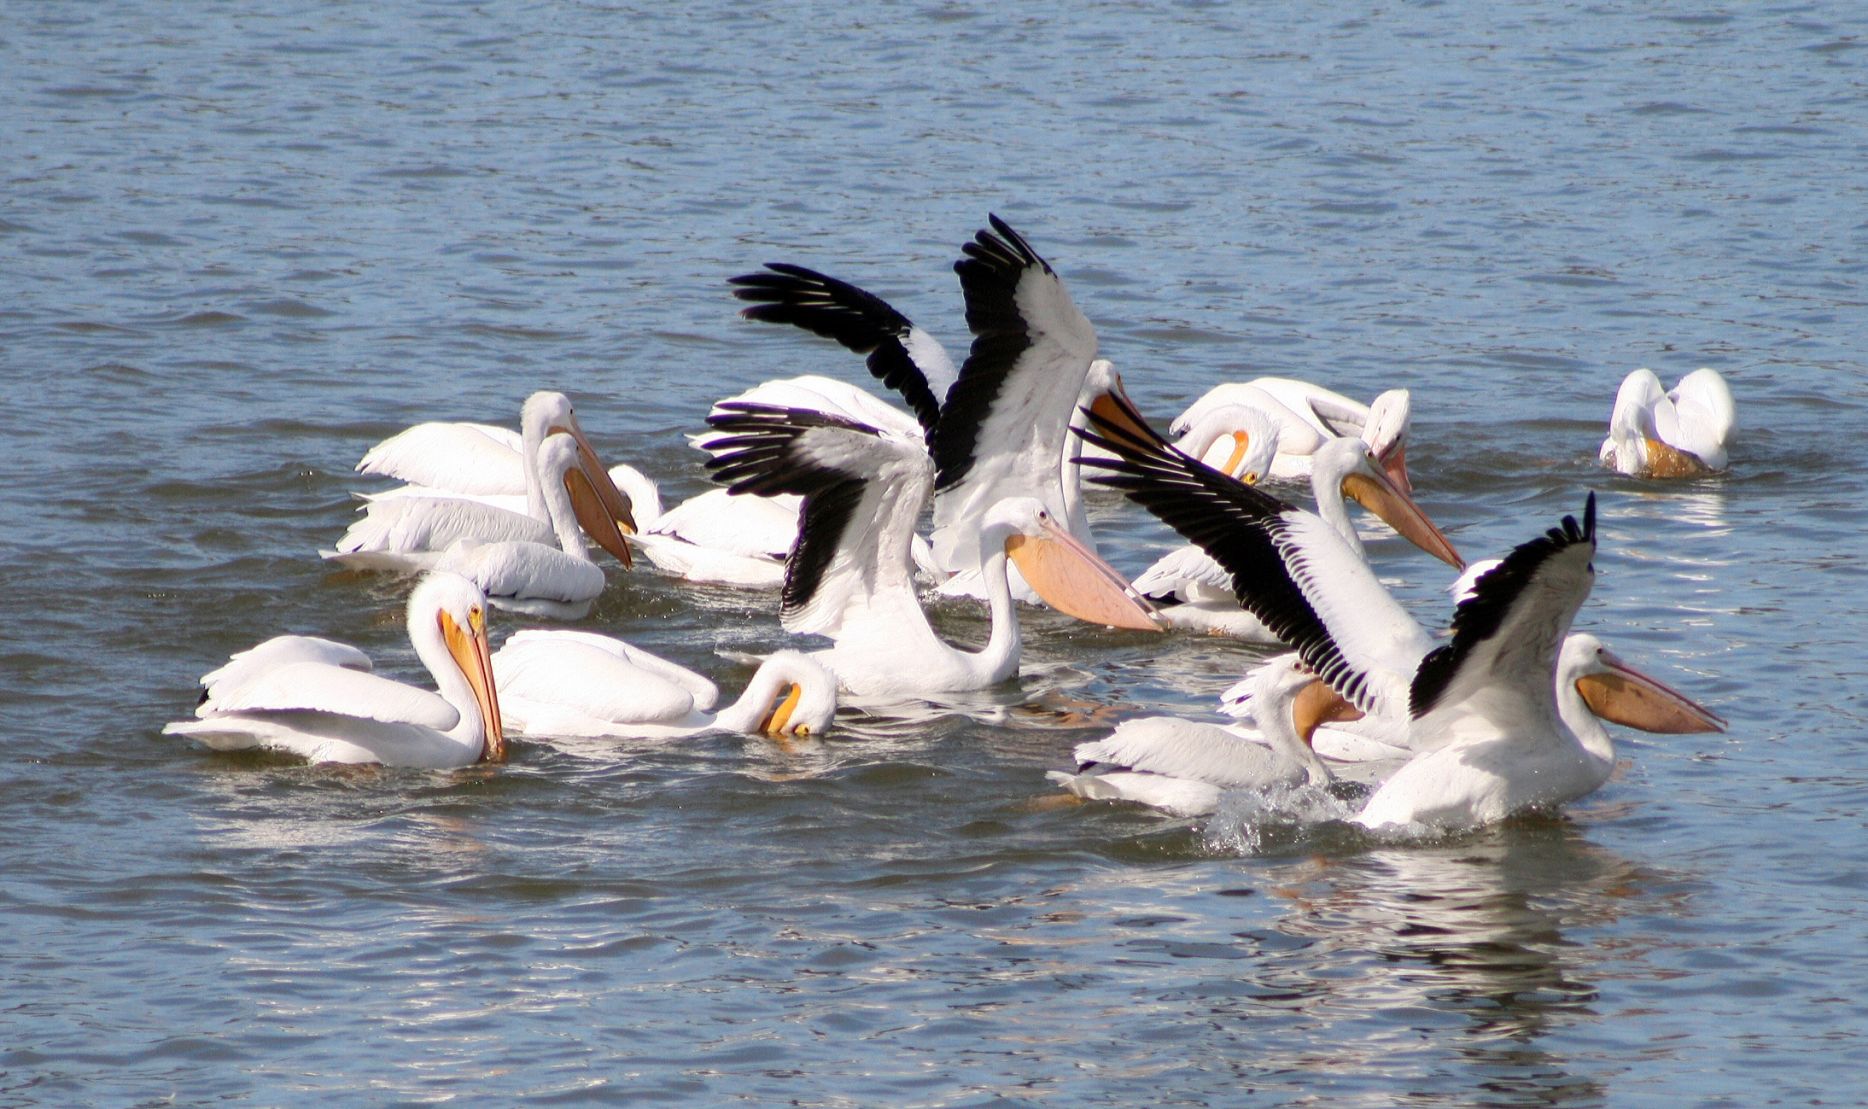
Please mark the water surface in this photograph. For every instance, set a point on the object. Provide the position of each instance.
(240, 247)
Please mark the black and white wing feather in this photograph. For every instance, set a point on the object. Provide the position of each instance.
(1513, 619)
(862, 490)
(1289, 568)
(1004, 426)
(900, 355)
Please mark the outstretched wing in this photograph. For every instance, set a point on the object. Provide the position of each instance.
(1004, 427)
(862, 494)
(1289, 568)
(1510, 625)
(900, 355)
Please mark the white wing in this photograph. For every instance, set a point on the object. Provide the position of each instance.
(469, 458)
(243, 666)
(524, 571)
(1181, 572)
(1192, 750)
(320, 687)
(523, 643)
(569, 678)
(425, 524)
(754, 527)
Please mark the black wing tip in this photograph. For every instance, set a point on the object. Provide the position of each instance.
(1482, 613)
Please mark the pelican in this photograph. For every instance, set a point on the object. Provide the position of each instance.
(286, 697)
(1182, 766)
(1683, 432)
(567, 489)
(570, 683)
(850, 575)
(1196, 592)
(1308, 416)
(484, 464)
(1482, 708)
(559, 580)
(997, 427)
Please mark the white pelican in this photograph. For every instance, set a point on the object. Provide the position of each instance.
(570, 683)
(1182, 766)
(850, 575)
(1481, 708)
(1308, 416)
(997, 427)
(1683, 432)
(1195, 592)
(566, 489)
(558, 580)
(289, 698)
(490, 465)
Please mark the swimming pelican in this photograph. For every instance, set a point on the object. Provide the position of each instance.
(1685, 432)
(1308, 416)
(544, 579)
(1195, 592)
(1482, 708)
(297, 702)
(566, 490)
(490, 465)
(850, 575)
(570, 683)
(1182, 766)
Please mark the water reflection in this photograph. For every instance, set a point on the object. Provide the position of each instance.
(1476, 930)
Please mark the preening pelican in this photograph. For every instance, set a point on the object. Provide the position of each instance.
(1195, 592)
(542, 579)
(1482, 707)
(566, 489)
(1182, 766)
(295, 698)
(850, 575)
(1308, 416)
(570, 683)
(1682, 432)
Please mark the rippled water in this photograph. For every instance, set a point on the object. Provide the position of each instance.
(239, 247)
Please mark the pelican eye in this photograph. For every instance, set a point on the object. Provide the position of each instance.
(802, 729)
(1251, 477)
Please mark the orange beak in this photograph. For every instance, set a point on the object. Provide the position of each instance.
(1073, 580)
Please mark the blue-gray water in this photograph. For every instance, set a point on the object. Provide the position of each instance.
(238, 247)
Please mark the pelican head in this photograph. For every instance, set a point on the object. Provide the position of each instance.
(1620, 694)
(1063, 571)
(805, 700)
(457, 608)
(548, 413)
(1285, 684)
(583, 477)
(1386, 435)
(1362, 479)
(1253, 438)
